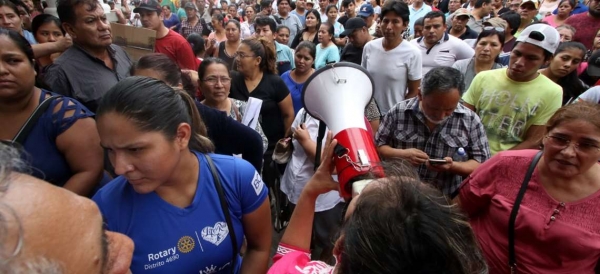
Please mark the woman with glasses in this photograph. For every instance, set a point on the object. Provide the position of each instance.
(556, 229)
(257, 77)
(488, 47)
(215, 83)
(311, 29)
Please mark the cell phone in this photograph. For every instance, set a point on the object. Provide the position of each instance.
(437, 161)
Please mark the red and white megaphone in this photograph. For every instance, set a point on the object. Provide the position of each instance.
(337, 95)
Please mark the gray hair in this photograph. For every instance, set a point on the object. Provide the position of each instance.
(11, 229)
(442, 79)
(565, 26)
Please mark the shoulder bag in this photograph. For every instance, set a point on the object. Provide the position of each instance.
(512, 263)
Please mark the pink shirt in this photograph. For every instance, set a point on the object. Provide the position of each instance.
(293, 260)
(550, 236)
(550, 20)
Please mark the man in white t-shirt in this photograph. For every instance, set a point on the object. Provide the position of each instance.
(395, 69)
(438, 48)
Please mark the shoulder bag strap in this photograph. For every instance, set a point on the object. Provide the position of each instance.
(320, 137)
(512, 263)
(225, 208)
(35, 116)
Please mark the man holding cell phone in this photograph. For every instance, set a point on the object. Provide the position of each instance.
(428, 130)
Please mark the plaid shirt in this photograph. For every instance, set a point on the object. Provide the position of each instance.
(404, 127)
(187, 29)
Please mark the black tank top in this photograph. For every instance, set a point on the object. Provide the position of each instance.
(225, 57)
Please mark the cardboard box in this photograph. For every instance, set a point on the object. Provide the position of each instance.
(137, 42)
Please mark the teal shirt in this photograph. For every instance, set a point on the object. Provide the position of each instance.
(181, 14)
(285, 58)
(330, 54)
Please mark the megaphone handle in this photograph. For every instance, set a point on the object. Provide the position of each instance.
(320, 137)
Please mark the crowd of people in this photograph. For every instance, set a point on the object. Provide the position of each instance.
(485, 113)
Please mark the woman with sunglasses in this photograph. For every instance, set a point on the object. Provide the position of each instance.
(488, 47)
(556, 229)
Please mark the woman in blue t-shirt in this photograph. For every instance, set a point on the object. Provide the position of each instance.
(327, 51)
(62, 145)
(294, 79)
(184, 213)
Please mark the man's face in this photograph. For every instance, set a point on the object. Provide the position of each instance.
(453, 5)
(460, 22)
(525, 60)
(265, 32)
(514, 5)
(437, 107)
(369, 20)
(351, 10)
(301, 4)
(322, 4)
(392, 25)
(91, 28)
(487, 8)
(433, 30)
(594, 8)
(359, 37)
(527, 12)
(150, 19)
(200, 5)
(190, 13)
(497, 4)
(418, 31)
(283, 7)
(65, 228)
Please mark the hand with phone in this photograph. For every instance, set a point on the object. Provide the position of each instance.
(440, 165)
(415, 156)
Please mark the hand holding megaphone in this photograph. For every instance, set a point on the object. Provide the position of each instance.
(322, 182)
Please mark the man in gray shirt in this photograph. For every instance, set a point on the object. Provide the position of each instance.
(93, 65)
(288, 19)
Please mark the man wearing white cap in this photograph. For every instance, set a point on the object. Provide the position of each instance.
(515, 103)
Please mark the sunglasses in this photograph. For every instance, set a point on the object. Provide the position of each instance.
(498, 29)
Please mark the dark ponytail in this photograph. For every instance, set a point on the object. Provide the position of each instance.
(155, 106)
(266, 51)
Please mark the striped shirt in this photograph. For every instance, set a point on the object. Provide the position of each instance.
(404, 127)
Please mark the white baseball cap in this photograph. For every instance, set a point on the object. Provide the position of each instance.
(541, 35)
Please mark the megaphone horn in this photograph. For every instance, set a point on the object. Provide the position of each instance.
(337, 95)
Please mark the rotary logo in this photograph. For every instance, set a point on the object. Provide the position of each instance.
(185, 244)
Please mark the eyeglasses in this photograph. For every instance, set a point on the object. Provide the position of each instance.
(498, 29)
(563, 143)
(243, 55)
(214, 80)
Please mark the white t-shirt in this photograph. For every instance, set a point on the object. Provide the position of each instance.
(300, 168)
(443, 54)
(391, 70)
(592, 95)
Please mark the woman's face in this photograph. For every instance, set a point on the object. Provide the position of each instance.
(232, 11)
(597, 41)
(564, 9)
(332, 14)
(304, 61)
(232, 32)
(571, 148)
(166, 12)
(566, 61)
(147, 159)
(17, 75)
(283, 36)
(324, 35)
(247, 61)
(216, 24)
(311, 20)
(10, 19)
(488, 48)
(250, 13)
(48, 32)
(566, 35)
(216, 83)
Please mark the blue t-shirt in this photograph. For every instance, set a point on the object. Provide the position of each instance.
(330, 54)
(29, 37)
(195, 239)
(295, 90)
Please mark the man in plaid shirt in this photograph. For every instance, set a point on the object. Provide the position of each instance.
(434, 125)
